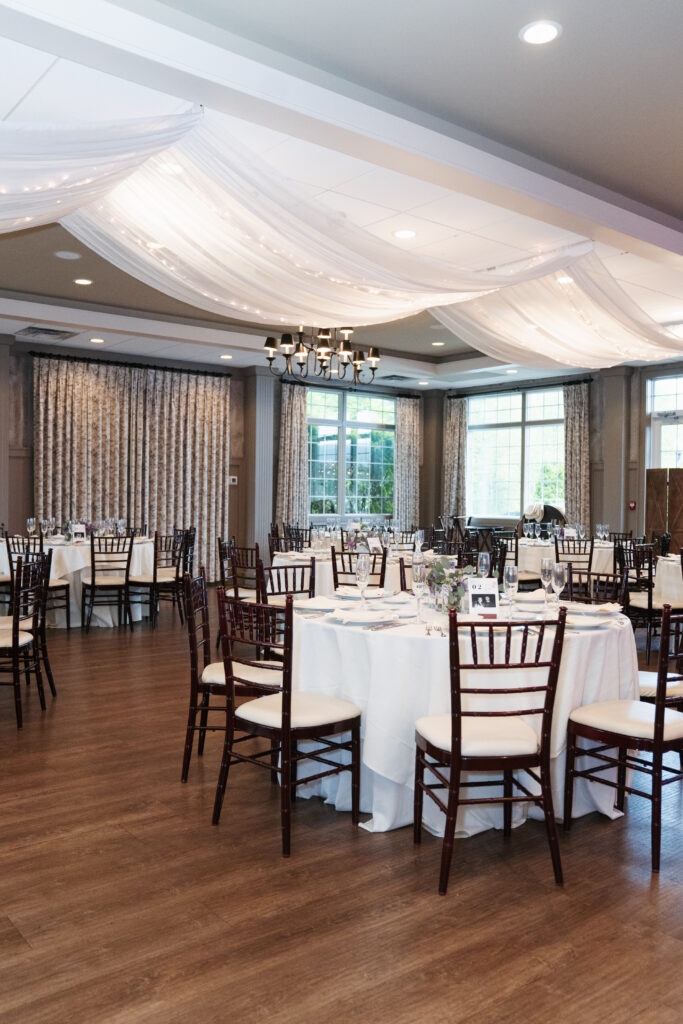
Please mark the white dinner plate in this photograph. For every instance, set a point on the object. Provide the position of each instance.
(353, 593)
(320, 603)
(594, 621)
(361, 617)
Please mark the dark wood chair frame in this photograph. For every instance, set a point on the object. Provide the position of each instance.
(280, 580)
(27, 610)
(637, 561)
(108, 554)
(168, 554)
(246, 627)
(578, 552)
(602, 741)
(196, 606)
(436, 760)
(596, 587)
(58, 596)
(344, 568)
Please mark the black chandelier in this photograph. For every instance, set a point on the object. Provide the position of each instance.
(324, 356)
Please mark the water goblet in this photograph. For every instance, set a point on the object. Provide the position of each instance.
(546, 575)
(581, 531)
(510, 585)
(44, 527)
(537, 530)
(362, 574)
(52, 525)
(483, 563)
(419, 539)
(31, 526)
(559, 579)
(419, 586)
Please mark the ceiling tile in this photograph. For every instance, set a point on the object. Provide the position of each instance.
(636, 270)
(387, 188)
(357, 211)
(20, 68)
(314, 165)
(661, 308)
(527, 233)
(473, 252)
(463, 213)
(426, 231)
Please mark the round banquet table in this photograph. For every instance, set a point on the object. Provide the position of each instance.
(398, 674)
(71, 562)
(324, 582)
(530, 553)
(668, 586)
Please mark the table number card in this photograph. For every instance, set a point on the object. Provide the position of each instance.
(78, 533)
(374, 545)
(483, 595)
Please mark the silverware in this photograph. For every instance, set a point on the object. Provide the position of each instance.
(428, 629)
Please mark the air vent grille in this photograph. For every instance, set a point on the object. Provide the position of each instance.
(43, 334)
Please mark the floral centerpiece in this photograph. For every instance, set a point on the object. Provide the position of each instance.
(443, 574)
(358, 539)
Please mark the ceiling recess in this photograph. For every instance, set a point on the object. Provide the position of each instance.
(43, 334)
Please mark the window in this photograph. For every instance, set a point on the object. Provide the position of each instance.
(665, 416)
(350, 453)
(515, 452)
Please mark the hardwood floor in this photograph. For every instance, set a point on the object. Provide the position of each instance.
(119, 902)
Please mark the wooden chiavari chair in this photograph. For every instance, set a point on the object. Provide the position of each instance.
(344, 568)
(578, 552)
(108, 582)
(596, 587)
(279, 714)
(20, 644)
(633, 727)
(276, 581)
(497, 739)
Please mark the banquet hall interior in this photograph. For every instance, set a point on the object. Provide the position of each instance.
(318, 326)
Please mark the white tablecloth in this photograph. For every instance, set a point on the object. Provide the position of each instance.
(324, 583)
(71, 562)
(530, 554)
(668, 586)
(399, 674)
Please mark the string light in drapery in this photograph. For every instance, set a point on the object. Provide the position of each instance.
(323, 355)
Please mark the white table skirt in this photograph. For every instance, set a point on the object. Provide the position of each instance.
(71, 562)
(530, 554)
(324, 582)
(668, 586)
(397, 675)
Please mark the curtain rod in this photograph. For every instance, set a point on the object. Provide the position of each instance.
(118, 362)
(532, 387)
(358, 389)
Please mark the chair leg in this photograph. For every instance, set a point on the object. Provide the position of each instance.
(648, 642)
(39, 676)
(203, 720)
(67, 607)
(286, 799)
(621, 779)
(17, 693)
(569, 779)
(223, 775)
(83, 608)
(91, 605)
(449, 833)
(293, 767)
(177, 597)
(507, 807)
(355, 773)
(656, 810)
(274, 765)
(418, 798)
(48, 667)
(189, 737)
(129, 608)
(551, 828)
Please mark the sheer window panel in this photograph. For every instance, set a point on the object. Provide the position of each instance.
(494, 460)
(544, 464)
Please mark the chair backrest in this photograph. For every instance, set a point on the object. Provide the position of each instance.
(662, 543)
(298, 537)
(520, 664)
(344, 568)
(247, 631)
(276, 544)
(669, 667)
(278, 580)
(403, 581)
(27, 604)
(596, 587)
(404, 540)
(26, 548)
(467, 553)
(187, 550)
(110, 555)
(196, 608)
(244, 564)
(167, 550)
(498, 559)
(578, 552)
(620, 536)
(137, 531)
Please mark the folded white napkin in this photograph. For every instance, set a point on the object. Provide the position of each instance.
(532, 596)
(610, 608)
(320, 603)
(401, 598)
(359, 617)
(371, 592)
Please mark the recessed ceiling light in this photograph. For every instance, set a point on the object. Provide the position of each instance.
(97, 341)
(512, 371)
(565, 279)
(82, 280)
(423, 383)
(404, 233)
(539, 32)
(438, 344)
(65, 254)
(226, 356)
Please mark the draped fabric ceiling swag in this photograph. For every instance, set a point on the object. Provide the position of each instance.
(176, 203)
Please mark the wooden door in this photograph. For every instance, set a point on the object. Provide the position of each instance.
(675, 518)
(655, 501)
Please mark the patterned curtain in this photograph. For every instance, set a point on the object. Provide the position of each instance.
(577, 453)
(407, 464)
(292, 471)
(142, 444)
(454, 456)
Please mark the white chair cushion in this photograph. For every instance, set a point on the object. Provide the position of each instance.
(144, 579)
(166, 573)
(5, 579)
(639, 600)
(58, 583)
(525, 576)
(647, 682)
(244, 594)
(309, 710)
(633, 718)
(481, 737)
(105, 580)
(215, 673)
(280, 600)
(6, 638)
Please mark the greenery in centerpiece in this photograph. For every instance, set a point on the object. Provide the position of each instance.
(358, 539)
(443, 574)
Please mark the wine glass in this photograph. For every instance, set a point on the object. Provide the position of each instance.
(581, 531)
(537, 530)
(31, 525)
(362, 574)
(52, 525)
(44, 527)
(483, 563)
(419, 539)
(510, 585)
(121, 527)
(559, 579)
(419, 586)
(546, 575)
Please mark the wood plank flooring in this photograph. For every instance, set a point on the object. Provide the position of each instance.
(120, 903)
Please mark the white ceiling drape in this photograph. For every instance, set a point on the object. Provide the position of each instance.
(180, 205)
(48, 171)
